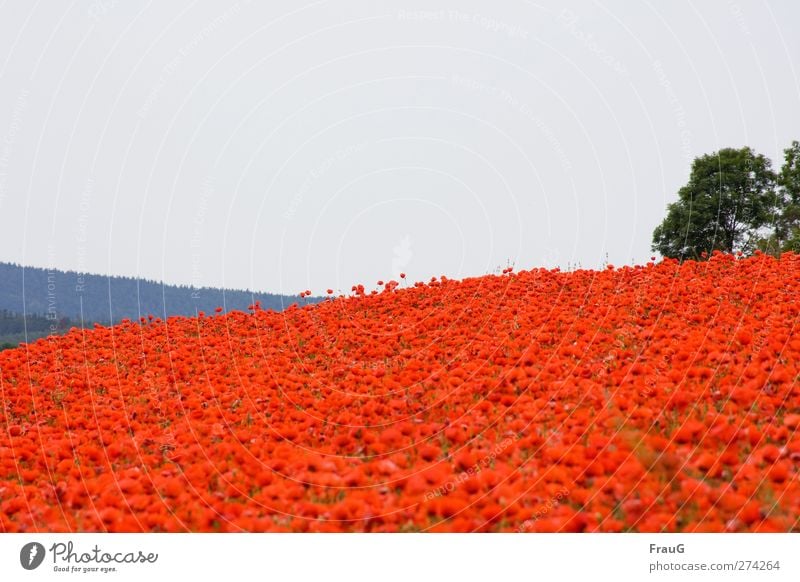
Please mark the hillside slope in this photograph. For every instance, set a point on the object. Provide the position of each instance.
(661, 397)
(99, 298)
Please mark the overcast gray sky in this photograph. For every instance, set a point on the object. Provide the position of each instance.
(322, 144)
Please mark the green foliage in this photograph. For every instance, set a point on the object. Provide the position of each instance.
(15, 323)
(55, 301)
(728, 203)
(787, 233)
(16, 328)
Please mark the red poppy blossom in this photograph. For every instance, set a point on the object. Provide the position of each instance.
(642, 398)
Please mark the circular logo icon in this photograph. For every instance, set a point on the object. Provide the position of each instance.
(31, 555)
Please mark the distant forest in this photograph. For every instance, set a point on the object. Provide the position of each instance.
(15, 329)
(54, 301)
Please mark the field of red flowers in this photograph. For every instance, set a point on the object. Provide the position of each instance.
(652, 398)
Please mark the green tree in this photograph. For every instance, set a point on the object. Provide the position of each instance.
(788, 231)
(728, 203)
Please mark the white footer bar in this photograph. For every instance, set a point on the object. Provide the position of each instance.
(389, 557)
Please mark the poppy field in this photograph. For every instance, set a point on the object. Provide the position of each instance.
(660, 397)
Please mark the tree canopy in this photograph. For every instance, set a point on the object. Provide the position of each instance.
(730, 204)
(788, 230)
